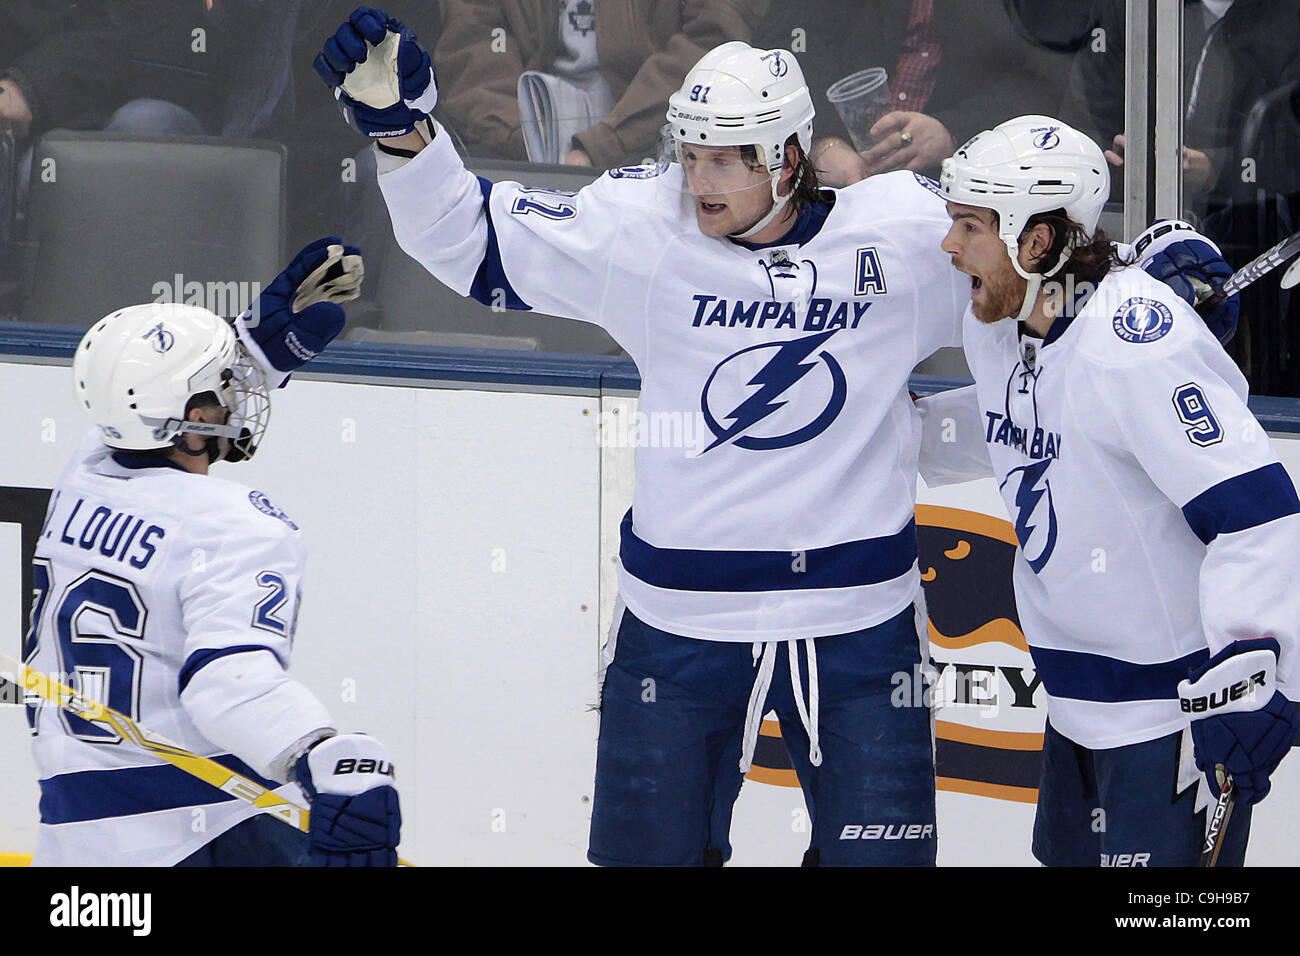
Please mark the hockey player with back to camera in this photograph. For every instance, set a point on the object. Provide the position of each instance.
(785, 319)
(1155, 572)
(181, 590)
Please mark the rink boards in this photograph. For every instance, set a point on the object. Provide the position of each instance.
(462, 519)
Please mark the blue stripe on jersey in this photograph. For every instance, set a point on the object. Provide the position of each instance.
(1241, 502)
(852, 564)
(491, 275)
(98, 794)
(1081, 676)
(200, 659)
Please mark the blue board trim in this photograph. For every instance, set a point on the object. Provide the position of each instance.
(490, 367)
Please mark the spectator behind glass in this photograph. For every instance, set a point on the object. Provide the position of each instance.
(642, 52)
(1246, 195)
(66, 65)
(59, 65)
(1234, 53)
(76, 66)
(955, 67)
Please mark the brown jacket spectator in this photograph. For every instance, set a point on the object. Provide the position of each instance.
(645, 49)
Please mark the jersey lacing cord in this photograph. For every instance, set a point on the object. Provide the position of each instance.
(758, 696)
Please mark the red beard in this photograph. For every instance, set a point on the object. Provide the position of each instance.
(1001, 295)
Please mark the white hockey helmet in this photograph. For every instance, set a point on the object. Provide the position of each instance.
(136, 370)
(737, 95)
(1025, 166)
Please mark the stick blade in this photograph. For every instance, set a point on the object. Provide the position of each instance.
(1291, 277)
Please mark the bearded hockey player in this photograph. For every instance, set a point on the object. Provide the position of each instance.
(788, 317)
(1158, 530)
(172, 595)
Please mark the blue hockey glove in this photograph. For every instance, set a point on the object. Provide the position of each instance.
(355, 817)
(1239, 717)
(1193, 267)
(299, 313)
(381, 76)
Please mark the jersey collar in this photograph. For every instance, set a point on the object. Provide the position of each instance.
(809, 223)
(1082, 295)
(131, 460)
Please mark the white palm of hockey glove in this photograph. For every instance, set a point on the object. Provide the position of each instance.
(355, 816)
(300, 312)
(381, 76)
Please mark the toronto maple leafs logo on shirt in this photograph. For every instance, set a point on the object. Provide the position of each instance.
(791, 393)
(582, 17)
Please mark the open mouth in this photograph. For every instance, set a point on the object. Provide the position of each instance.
(976, 283)
(712, 207)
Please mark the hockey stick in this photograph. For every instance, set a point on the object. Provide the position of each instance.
(1217, 828)
(205, 768)
(1292, 275)
(1257, 268)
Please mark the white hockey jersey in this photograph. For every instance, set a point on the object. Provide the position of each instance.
(1156, 524)
(144, 575)
(793, 517)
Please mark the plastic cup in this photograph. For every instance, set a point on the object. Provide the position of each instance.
(861, 99)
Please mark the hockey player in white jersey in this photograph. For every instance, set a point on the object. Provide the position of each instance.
(788, 318)
(774, 566)
(172, 595)
(1158, 531)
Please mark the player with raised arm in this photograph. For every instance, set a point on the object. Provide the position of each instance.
(1158, 531)
(785, 316)
(172, 595)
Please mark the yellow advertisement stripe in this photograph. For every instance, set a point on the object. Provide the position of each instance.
(1000, 739)
(956, 519)
(15, 859)
(1001, 631)
(776, 778)
(996, 790)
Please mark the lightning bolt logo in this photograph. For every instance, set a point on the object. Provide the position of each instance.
(783, 370)
(1028, 495)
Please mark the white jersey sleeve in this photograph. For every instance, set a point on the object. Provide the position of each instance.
(239, 605)
(510, 246)
(1180, 409)
(953, 448)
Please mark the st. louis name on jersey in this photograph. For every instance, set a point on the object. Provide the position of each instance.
(794, 518)
(1156, 524)
(145, 576)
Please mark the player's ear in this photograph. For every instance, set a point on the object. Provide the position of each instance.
(791, 167)
(1036, 241)
(792, 160)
